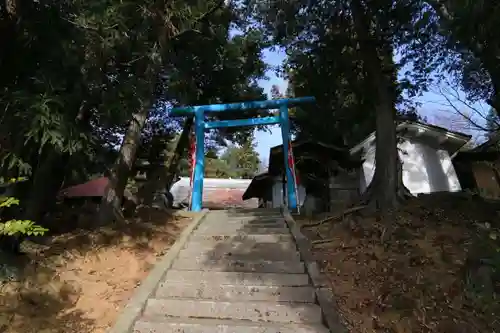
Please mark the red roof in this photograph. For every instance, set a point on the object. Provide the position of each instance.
(93, 188)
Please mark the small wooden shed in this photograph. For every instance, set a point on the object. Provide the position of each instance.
(323, 175)
(478, 169)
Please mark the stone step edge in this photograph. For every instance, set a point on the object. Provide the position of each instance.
(234, 284)
(236, 293)
(242, 278)
(152, 305)
(236, 255)
(208, 322)
(225, 300)
(233, 302)
(273, 238)
(205, 264)
(244, 269)
(287, 244)
(250, 230)
(287, 236)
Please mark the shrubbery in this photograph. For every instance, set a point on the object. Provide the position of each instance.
(17, 227)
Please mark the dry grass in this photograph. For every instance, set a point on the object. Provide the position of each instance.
(79, 281)
(433, 267)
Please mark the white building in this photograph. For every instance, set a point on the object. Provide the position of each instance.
(425, 151)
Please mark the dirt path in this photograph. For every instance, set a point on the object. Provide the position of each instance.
(78, 282)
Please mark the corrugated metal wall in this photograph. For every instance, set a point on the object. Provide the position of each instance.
(217, 193)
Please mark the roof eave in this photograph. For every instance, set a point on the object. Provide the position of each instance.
(460, 138)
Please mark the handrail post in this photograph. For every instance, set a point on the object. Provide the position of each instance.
(285, 134)
(199, 168)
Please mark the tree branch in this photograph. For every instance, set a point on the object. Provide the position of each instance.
(445, 15)
(455, 95)
(335, 217)
(441, 9)
(202, 17)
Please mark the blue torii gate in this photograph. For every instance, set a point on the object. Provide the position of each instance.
(200, 127)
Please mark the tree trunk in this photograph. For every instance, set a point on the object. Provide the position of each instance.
(47, 181)
(386, 187)
(180, 149)
(48, 178)
(162, 177)
(111, 201)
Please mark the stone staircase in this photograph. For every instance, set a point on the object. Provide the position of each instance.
(239, 272)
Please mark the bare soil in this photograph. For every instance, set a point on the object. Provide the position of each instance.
(79, 281)
(434, 266)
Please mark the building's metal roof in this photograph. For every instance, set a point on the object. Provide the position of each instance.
(455, 140)
(92, 188)
(259, 186)
(311, 156)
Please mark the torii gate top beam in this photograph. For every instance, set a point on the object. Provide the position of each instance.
(253, 105)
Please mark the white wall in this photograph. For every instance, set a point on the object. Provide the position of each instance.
(278, 194)
(181, 190)
(425, 169)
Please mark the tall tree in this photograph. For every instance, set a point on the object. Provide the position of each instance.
(356, 82)
(206, 76)
(53, 87)
(79, 76)
(376, 53)
(244, 160)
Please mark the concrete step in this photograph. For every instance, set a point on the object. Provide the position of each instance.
(255, 220)
(239, 254)
(237, 278)
(239, 227)
(232, 231)
(241, 244)
(247, 245)
(261, 219)
(254, 224)
(241, 238)
(237, 293)
(253, 311)
(240, 224)
(258, 266)
(261, 211)
(191, 325)
(231, 214)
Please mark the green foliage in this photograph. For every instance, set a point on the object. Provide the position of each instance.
(23, 227)
(75, 72)
(325, 61)
(456, 38)
(16, 227)
(243, 161)
(492, 123)
(235, 162)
